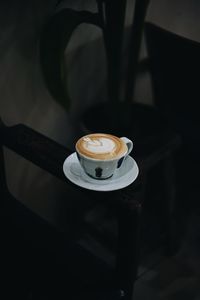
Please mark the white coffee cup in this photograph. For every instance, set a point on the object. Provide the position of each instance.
(101, 154)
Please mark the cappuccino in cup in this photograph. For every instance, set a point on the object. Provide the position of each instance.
(100, 154)
(101, 146)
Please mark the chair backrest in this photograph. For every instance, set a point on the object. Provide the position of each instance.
(175, 67)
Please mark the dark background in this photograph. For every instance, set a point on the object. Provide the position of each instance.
(25, 99)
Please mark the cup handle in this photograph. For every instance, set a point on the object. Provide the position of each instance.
(129, 144)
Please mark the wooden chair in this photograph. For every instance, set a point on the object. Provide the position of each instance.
(146, 125)
(37, 257)
(154, 141)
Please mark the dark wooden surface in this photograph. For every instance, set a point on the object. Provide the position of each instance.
(114, 22)
(127, 260)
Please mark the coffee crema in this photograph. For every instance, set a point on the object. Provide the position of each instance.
(101, 146)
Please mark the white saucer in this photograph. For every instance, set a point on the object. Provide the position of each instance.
(122, 177)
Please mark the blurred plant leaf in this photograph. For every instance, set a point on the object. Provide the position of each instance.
(53, 42)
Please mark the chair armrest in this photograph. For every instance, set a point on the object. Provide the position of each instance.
(50, 155)
(35, 147)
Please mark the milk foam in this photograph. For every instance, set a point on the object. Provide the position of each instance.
(99, 145)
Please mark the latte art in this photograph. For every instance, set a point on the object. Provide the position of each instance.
(101, 146)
